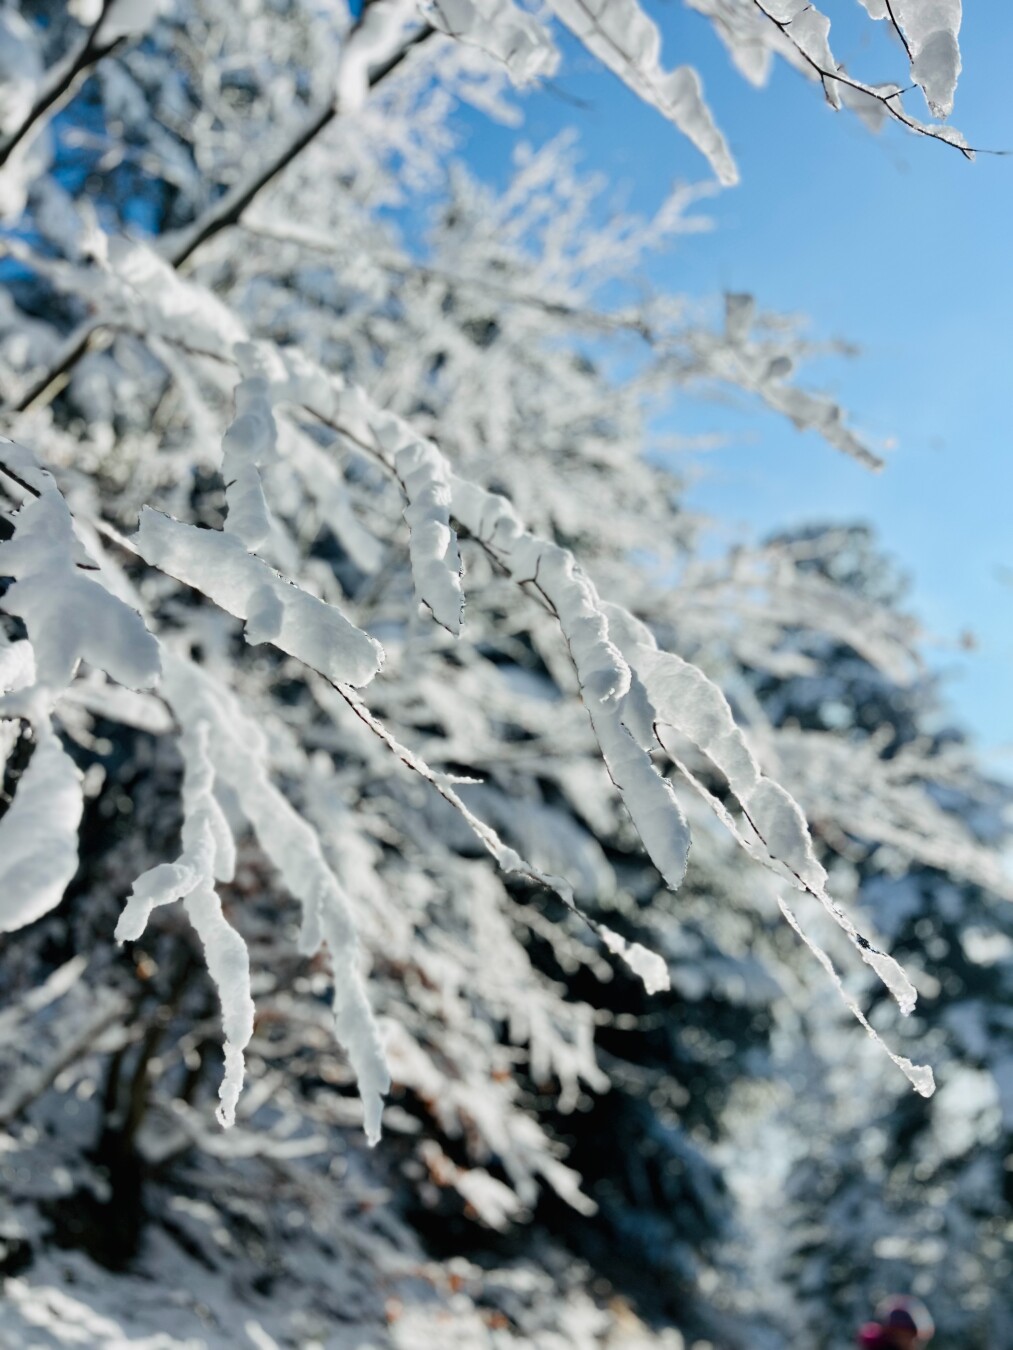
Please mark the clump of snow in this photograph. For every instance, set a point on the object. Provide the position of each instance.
(648, 965)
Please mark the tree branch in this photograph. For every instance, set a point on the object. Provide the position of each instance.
(223, 213)
(228, 210)
(893, 109)
(63, 81)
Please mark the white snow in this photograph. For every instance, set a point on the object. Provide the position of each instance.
(501, 28)
(69, 615)
(650, 967)
(38, 834)
(217, 564)
(622, 36)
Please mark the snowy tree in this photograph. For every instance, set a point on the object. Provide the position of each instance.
(346, 605)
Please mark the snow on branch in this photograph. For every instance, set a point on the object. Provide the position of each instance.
(208, 856)
(649, 967)
(928, 30)
(502, 29)
(237, 753)
(621, 35)
(435, 556)
(603, 674)
(274, 610)
(249, 443)
(38, 834)
(681, 696)
(69, 615)
(919, 1075)
(376, 37)
(752, 364)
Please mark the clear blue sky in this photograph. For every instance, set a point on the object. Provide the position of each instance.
(892, 242)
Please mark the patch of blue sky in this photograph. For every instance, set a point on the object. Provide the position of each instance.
(892, 242)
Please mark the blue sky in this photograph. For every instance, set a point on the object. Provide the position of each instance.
(891, 242)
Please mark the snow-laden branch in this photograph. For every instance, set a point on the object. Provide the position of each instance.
(435, 556)
(807, 30)
(624, 39)
(502, 29)
(237, 754)
(552, 570)
(629, 688)
(69, 615)
(273, 609)
(62, 81)
(208, 857)
(928, 29)
(38, 834)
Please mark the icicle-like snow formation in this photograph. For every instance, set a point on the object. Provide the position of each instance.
(208, 856)
(621, 35)
(930, 29)
(38, 834)
(237, 752)
(503, 30)
(216, 563)
(435, 556)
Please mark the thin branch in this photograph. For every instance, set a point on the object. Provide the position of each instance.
(223, 213)
(898, 30)
(895, 111)
(64, 81)
(228, 210)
